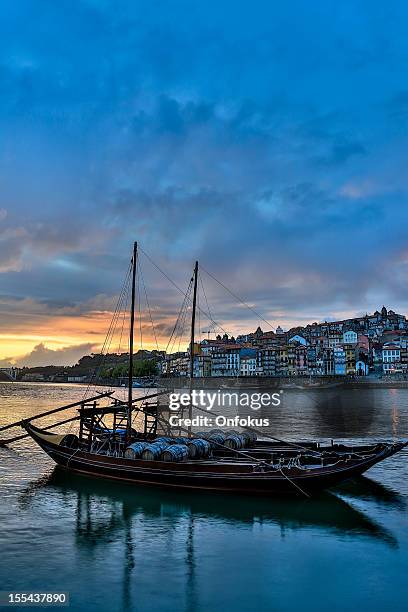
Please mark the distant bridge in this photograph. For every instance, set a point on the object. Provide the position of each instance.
(10, 372)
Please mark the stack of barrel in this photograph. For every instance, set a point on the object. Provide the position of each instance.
(233, 440)
(179, 449)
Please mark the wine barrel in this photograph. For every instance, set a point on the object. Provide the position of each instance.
(252, 437)
(202, 434)
(234, 441)
(218, 438)
(167, 439)
(199, 448)
(152, 452)
(249, 436)
(175, 452)
(182, 440)
(135, 450)
(246, 438)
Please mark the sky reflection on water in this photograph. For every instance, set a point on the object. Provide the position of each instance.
(117, 547)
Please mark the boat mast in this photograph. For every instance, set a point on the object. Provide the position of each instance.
(132, 325)
(193, 317)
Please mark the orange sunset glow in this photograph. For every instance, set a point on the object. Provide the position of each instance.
(64, 337)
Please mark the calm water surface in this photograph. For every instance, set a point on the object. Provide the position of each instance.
(120, 547)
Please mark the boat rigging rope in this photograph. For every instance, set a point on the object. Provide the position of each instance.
(70, 457)
(205, 296)
(182, 325)
(123, 327)
(139, 301)
(181, 311)
(148, 307)
(108, 339)
(293, 483)
(181, 291)
(236, 297)
(119, 308)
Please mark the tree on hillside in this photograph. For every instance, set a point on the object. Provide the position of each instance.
(141, 367)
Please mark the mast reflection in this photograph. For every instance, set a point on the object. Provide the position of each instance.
(124, 515)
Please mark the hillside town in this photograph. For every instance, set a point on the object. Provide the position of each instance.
(373, 344)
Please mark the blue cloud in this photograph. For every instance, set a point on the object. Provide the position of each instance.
(264, 138)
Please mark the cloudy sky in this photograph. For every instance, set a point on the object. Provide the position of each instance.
(267, 139)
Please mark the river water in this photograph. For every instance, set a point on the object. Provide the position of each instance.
(121, 547)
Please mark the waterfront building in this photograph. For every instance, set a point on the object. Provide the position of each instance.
(301, 359)
(248, 362)
(363, 343)
(76, 379)
(391, 357)
(266, 362)
(350, 352)
(321, 342)
(336, 327)
(298, 339)
(208, 346)
(225, 361)
(282, 361)
(340, 347)
(334, 340)
(324, 328)
(33, 377)
(350, 337)
(254, 338)
(361, 368)
(328, 362)
(202, 365)
(311, 356)
(403, 344)
(376, 357)
(319, 365)
(176, 364)
(268, 339)
(313, 330)
(291, 360)
(339, 358)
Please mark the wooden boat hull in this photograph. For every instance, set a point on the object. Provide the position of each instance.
(206, 475)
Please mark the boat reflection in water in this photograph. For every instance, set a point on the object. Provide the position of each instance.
(327, 511)
(147, 530)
